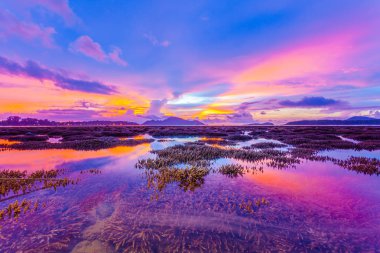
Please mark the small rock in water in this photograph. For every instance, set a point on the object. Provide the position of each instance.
(104, 210)
(92, 247)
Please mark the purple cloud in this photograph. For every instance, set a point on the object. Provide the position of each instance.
(10, 25)
(375, 114)
(240, 117)
(311, 102)
(156, 42)
(34, 70)
(70, 114)
(59, 7)
(233, 118)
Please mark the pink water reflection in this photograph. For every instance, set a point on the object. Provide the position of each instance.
(329, 188)
(32, 160)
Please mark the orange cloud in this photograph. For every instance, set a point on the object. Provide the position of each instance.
(24, 95)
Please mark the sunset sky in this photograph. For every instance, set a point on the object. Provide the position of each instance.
(222, 62)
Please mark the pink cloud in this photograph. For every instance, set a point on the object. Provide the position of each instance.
(87, 46)
(11, 26)
(114, 56)
(295, 69)
(165, 43)
(299, 61)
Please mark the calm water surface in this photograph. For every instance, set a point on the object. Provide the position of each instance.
(313, 207)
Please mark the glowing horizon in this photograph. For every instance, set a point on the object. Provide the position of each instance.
(218, 62)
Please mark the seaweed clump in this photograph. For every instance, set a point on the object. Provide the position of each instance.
(267, 145)
(91, 171)
(250, 206)
(187, 179)
(14, 209)
(16, 183)
(364, 165)
(232, 170)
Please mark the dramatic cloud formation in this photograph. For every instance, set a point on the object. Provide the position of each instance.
(11, 26)
(34, 70)
(154, 110)
(92, 49)
(311, 102)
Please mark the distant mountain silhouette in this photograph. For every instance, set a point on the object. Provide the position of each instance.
(360, 118)
(173, 121)
(356, 120)
(262, 124)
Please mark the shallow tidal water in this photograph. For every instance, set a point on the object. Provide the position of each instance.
(315, 206)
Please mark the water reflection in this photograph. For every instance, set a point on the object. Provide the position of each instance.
(32, 160)
(348, 139)
(346, 153)
(258, 140)
(315, 206)
(137, 137)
